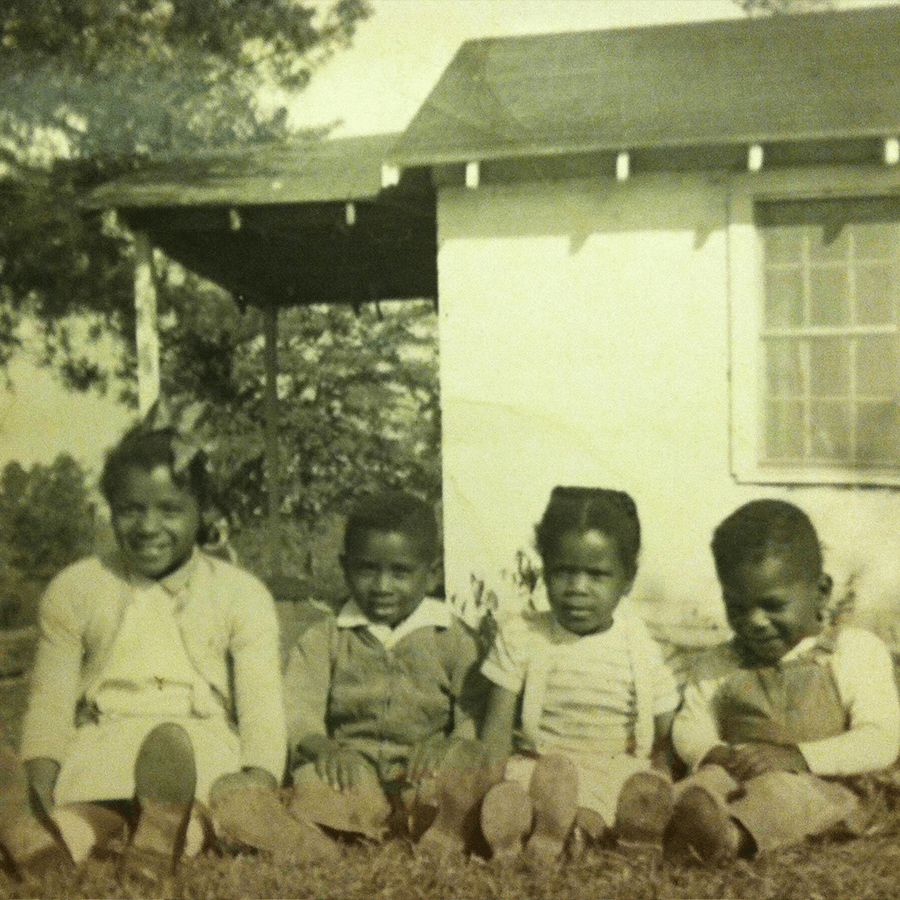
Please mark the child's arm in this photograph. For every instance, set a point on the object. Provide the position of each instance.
(499, 720)
(307, 683)
(694, 731)
(864, 673)
(256, 655)
(55, 679)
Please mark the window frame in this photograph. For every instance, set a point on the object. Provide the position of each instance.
(746, 303)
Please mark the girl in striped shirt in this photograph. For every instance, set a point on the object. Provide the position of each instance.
(581, 703)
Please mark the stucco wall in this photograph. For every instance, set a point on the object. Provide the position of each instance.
(584, 339)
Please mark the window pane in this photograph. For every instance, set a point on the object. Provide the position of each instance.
(829, 367)
(784, 371)
(876, 294)
(878, 434)
(784, 298)
(784, 431)
(830, 431)
(877, 362)
(831, 391)
(829, 296)
(784, 244)
(875, 241)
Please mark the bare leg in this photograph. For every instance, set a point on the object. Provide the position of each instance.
(32, 844)
(463, 779)
(554, 793)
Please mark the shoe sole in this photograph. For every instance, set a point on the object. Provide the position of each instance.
(506, 819)
(698, 828)
(165, 779)
(643, 810)
(165, 770)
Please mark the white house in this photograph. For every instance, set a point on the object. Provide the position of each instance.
(669, 262)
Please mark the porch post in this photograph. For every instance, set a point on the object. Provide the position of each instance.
(147, 335)
(272, 456)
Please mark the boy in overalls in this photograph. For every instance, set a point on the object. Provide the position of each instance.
(776, 723)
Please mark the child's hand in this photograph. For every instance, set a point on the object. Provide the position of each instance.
(342, 767)
(426, 758)
(760, 758)
(745, 761)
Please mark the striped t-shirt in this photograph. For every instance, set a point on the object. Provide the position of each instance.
(589, 699)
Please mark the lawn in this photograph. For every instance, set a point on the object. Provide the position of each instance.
(862, 868)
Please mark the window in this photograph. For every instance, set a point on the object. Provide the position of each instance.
(816, 363)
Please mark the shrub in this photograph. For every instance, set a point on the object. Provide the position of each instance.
(46, 522)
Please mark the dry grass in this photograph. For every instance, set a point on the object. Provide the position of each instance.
(860, 869)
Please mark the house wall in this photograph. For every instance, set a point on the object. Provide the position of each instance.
(584, 339)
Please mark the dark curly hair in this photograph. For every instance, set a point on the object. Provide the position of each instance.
(580, 509)
(143, 449)
(394, 511)
(765, 528)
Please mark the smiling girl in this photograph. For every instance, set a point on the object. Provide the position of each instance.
(156, 683)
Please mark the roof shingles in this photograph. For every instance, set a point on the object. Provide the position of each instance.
(801, 77)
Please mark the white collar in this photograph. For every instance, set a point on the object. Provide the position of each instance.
(430, 613)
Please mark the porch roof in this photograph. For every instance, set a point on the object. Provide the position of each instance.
(287, 224)
(815, 77)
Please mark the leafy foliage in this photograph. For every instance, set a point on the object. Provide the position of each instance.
(358, 396)
(46, 516)
(46, 522)
(88, 88)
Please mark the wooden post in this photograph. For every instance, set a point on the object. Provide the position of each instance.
(147, 334)
(273, 457)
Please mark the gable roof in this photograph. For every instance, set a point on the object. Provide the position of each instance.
(815, 76)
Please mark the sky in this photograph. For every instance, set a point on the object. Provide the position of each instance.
(376, 86)
(400, 52)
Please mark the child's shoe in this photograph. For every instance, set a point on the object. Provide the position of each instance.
(165, 778)
(643, 810)
(250, 814)
(592, 826)
(33, 847)
(554, 794)
(506, 819)
(362, 811)
(700, 827)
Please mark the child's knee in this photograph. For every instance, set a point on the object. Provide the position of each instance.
(465, 753)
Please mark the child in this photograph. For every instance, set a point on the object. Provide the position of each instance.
(588, 686)
(384, 694)
(156, 678)
(775, 721)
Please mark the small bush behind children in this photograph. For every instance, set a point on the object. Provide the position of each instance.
(585, 686)
(382, 698)
(156, 683)
(775, 724)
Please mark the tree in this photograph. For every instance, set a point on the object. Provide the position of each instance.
(46, 516)
(88, 88)
(358, 396)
